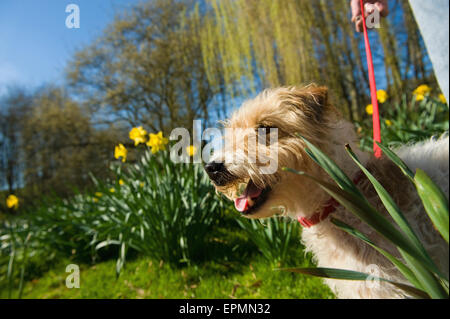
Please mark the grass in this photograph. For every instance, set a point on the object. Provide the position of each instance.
(236, 268)
(145, 278)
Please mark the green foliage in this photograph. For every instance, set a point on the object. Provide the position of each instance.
(274, 238)
(417, 266)
(406, 122)
(163, 210)
(434, 201)
(353, 275)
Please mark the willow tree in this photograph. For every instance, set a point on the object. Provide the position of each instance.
(413, 44)
(252, 44)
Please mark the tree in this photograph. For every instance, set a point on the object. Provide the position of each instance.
(13, 107)
(253, 44)
(147, 69)
(61, 147)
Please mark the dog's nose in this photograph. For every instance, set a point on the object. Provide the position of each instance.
(214, 167)
(218, 173)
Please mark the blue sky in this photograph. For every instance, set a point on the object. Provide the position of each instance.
(35, 43)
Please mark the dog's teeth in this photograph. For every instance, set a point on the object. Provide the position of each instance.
(250, 202)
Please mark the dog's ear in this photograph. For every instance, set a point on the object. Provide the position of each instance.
(312, 100)
(318, 96)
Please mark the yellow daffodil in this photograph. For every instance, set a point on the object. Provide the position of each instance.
(157, 142)
(138, 135)
(95, 199)
(382, 96)
(442, 98)
(112, 190)
(388, 123)
(120, 151)
(12, 202)
(141, 184)
(369, 109)
(121, 182)
(421, 91)
(191, 150)
(419, 97)
(98, 194)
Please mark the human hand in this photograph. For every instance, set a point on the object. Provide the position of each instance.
(369, 7)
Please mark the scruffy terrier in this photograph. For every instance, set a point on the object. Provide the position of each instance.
(307, 111)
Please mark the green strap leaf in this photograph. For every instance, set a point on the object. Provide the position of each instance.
(434, 201)
(397, 160)
(409, 275)
(343, 274)
(427, 279)
(330, 167)
(366, 212)
(359, 205)
(392, 208)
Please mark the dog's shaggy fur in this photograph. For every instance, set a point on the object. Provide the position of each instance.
(307, 111)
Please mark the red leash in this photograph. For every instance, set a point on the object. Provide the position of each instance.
(331, 205)
(373, 88)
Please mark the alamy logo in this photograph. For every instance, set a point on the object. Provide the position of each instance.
(373, 19)
(73, 19)
(73, 279)
(230, 146)
(373, 280)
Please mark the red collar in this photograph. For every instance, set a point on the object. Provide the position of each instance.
(330, 207)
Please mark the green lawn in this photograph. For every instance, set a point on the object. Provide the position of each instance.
(144, 278)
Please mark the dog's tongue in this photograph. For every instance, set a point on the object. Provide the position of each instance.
(251, 191)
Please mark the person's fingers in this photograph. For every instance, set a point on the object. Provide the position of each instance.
(356, 13)
(369, 8)
(382, 8)
(356, 9)
(359, 24)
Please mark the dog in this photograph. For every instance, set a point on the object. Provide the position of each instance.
(307, 111)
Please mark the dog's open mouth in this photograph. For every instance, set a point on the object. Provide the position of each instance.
(251, 199)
